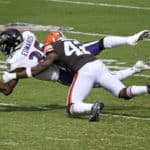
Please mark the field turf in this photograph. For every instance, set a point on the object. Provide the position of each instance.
(34, 116)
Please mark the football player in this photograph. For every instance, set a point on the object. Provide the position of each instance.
(87, 70)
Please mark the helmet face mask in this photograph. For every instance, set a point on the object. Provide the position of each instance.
(10, 40)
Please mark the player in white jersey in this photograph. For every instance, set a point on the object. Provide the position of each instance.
(29, 53)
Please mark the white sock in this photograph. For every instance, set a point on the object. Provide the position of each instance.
(137, 90)
(82, 108)
(112, 41)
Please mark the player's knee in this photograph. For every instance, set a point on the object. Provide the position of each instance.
(126, 93)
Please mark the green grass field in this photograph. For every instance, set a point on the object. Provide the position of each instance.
(34, 117)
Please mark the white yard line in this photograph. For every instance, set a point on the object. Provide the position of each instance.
(24, 106)
(101, 4)
(142, 75)
(62, 139)
(126, 136)
(8, 143)
(127, 117)
(86, 33)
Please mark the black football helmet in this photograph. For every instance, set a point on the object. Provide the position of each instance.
(10, 40)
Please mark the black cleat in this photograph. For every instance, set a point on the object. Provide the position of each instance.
(143, 35)
(95, 110)
(148, 88)
(138, 37)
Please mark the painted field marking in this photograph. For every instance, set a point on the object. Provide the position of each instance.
(126, 136)
(24, 106)
(126, 117)
(62, 139)
(101, 4)
(8, 143)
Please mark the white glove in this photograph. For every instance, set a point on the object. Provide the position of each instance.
(8, 76)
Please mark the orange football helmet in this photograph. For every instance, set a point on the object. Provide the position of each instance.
(53, 37)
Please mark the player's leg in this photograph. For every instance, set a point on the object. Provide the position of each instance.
(123, 74)
(108, 42)
(79, 89)
(134, 90)
(81, 86)
(137, 67)
(95, 47)
(111, 83)
(108, 81)
(51, 74)
(112, 41)
(114, 85)
(131, 91)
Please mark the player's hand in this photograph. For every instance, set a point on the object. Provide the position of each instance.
(8, 76)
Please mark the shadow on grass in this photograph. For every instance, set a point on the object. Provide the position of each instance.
(14, 107)
(108, 110)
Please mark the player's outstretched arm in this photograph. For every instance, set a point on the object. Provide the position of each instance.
(29, 72)
(7, 88)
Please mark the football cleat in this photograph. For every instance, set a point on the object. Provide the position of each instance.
(95, 110)
(140, 65)
(132, 40)
(148, 88)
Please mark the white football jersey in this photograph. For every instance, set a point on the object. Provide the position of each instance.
(29, 55)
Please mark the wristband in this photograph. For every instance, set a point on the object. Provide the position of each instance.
(13, 75)
(28, 71)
